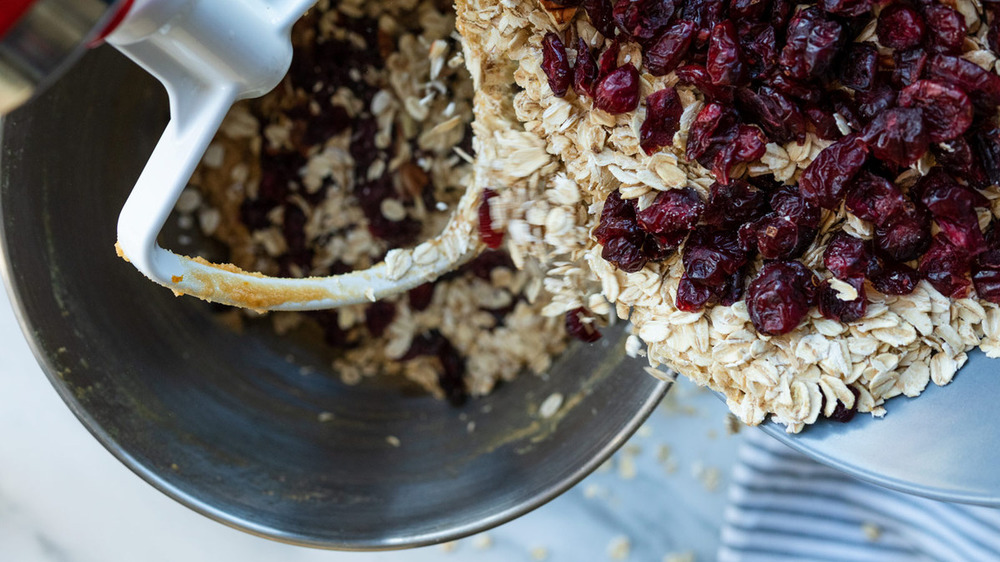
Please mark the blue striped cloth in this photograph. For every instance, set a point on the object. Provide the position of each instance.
(785, 507)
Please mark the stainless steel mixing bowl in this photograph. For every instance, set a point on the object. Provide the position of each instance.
(227, 423)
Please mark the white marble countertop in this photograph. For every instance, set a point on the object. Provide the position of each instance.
(63, 498)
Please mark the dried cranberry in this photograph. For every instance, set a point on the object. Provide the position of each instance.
(705, 14)
(900, 27)
(663, 115)
(774, 112)
(691, 296)
(748, 145)
(641, 19)
(982, 86)
(713, 126)
(824, 181)
(804, 91)
(617, 219)
(673, 210)
(833, 307)
(420, 297)
(812, 44)
(841, 413)
(990, 259)
(758, 47)
(658, 247)
(730, 205)
(698, 77)
(780, 296)
(823, 122)
(492, 238)
(874, 101)
(618, 92)
(585, 72)
(378, 316)
(895, 279)
(488, 261)
(898, 136)
(905, 237)
(986, 147)
(987, 284)
(993, 35)
(626, 252)
(846, 8)
(781, 13)
(953, 208)
(601, 14)
(580, 326)
(909, 66)
(957, 157)
(947, 110)
(555, 64)
(711, 256)
(789, 202)
(731, 291)
(846, 256)
(609, 59)
(748, 9)
(777, 237)
(946, 268)
(670, 48)
(874, 198)
(724, 66)
(858, 66)
(946, 28)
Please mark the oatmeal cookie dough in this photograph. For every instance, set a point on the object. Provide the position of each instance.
(555, 160)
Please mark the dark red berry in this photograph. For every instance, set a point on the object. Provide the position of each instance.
(957, 157)
(895, 279)
(946, 268)
(898, 136)
(378, 316)
(585, 73)
(642, 19)
(823, 182)
(617, 219)
(987, 284)
(601, 14)
(691, 296)
(847, 257)
(905, 237)
(609, 59)
(982, 86)
(555, 64)
(841, 413)
(724, 66)
(669, 49)
(626, 252)
(858, 66)
(711, 256)
(714, 126)
(777, 237)
(744, 10)
(780, 296)
(758, 47)
(698, 77)
(618, 92)
(748, 145)
(833, 307)
(953, 207)
(580, 325)
(874, 101)
(946, 28)
(947, 111)
(874, 198)
(812, 44)
(733, 204)
(900, 27)
(672, 211)
(492, 238)
(788, 202)
(705, 14)
(846, 8)
(774, 112)
(986, 148)
(909, 65)
(663, 114)
(420, 297)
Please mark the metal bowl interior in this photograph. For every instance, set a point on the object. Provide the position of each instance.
(227, 423)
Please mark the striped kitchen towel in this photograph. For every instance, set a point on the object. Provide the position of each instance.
(785, 507)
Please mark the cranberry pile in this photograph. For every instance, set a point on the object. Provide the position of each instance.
(770, 73)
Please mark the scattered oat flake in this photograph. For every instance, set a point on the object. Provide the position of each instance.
(449, 546)
(871, 531)
(325, 416)
(551, 405)
(392, 440)
(539, 553)
(688, 556)
(482, 541)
